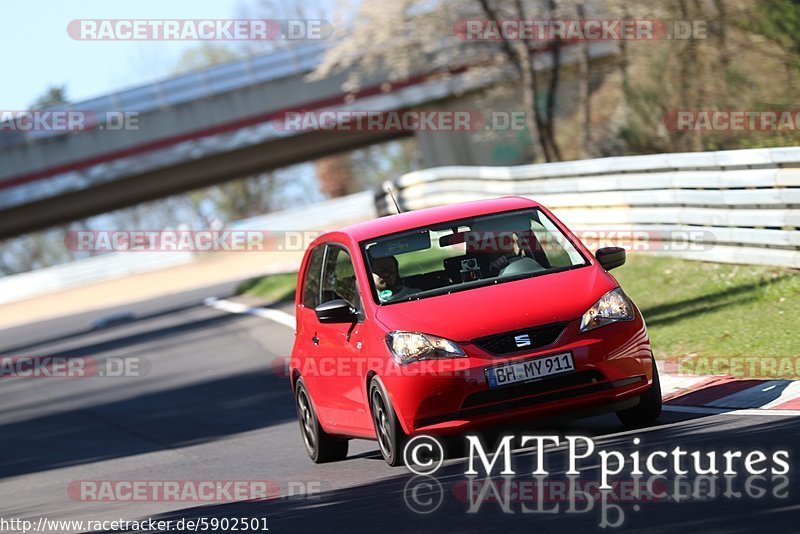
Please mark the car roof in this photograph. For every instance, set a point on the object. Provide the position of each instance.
(430, 216)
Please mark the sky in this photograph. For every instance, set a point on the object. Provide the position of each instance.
(38, 53)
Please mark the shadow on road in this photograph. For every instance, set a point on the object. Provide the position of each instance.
(89, 329)
(721, 395)
(172, 418)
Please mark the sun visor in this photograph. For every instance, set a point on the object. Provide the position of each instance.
(400, 245)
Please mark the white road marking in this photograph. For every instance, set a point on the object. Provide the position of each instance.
(790, 393)
(278, 316)
(755, 396)
(722, 411)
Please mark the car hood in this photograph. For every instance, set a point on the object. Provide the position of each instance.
(466, 315)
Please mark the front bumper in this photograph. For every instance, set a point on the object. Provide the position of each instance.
(613, 366)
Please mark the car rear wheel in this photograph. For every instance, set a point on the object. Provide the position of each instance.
(320, 446)
(391, 438)
(649, 407)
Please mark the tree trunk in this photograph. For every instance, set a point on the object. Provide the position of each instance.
(584, 92)
(520, 56)
(552, 90)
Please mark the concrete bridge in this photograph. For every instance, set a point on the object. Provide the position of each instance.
(210, 126)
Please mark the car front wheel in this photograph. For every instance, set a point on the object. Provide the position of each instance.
(320, 446)
(649, 407)
(391, 438)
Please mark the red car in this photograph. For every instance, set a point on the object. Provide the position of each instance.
(458, 318)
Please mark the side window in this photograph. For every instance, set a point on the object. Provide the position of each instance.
(312, 278)
(340, 277)
(559, 251)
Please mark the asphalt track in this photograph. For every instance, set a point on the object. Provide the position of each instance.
(208, 408)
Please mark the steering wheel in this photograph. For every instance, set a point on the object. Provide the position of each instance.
(520, 265)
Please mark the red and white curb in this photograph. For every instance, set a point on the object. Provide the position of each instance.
(725, 393)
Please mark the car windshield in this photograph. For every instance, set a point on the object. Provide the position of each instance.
(467, 253)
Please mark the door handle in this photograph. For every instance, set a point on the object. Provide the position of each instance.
(315, 339)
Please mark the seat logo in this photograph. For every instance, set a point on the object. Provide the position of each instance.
(523, 340)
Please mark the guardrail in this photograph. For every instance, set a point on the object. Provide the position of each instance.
(743, 206)
(86, 271)
(739, 206)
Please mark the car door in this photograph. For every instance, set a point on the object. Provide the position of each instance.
(306, 347)
(340, 368)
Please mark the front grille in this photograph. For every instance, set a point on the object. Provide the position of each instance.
(509, 342)
(538, 387)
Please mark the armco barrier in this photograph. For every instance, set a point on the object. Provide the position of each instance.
(744, 203)
(85, 271)
(748, 201)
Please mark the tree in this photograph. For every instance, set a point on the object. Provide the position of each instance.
(404, 36)
(203, 56)
(55, 95)
(700, 73)
(282, 10)
(38, 249)
(335, 175)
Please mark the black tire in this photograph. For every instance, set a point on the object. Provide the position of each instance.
(649, 407)
(320, 446)
(391, 438)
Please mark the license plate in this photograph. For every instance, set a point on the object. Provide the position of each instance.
(513, 373)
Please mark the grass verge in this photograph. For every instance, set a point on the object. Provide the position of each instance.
(273, 287)
(710, 309)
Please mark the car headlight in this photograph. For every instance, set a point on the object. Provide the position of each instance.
(407, 347)
(612, 307)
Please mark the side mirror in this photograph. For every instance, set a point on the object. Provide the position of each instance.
(610, 257)
(336, 311)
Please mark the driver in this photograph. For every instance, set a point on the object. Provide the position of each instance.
(509, 255)
(386, 274)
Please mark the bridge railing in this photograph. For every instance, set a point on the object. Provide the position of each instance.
(739, 206)
(183, 88)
